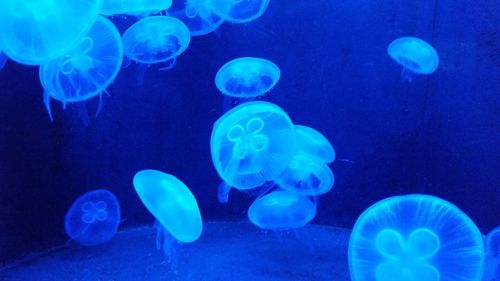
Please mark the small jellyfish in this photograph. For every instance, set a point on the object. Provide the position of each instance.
(252, 143)
(3, 60)
(492, 257)
(415, 55)
(315, 144)
(93, 218)
(134, 7)
(413, 238)
(281, 210)
(37, 31)
(240, 11)
(247, 77)
(197, 15)
(87, 70)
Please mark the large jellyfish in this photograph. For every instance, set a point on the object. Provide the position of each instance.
(134, 7)
(413, 238)
(415, 55)
(197, 15)
(247, 77)
(93, 218)
(37, 31)
(492, 258)
(252, 143)
(238, 11)
(87, 70)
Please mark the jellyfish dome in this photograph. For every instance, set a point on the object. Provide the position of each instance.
(37, 31)
(492, 259)
(247, 77)
(238, 11)
(171, 203)
(93, 218)
(156, 39)
(281, 210)
(133, 7)
(252, 143)
(415, 237)
(197, 15)
(414, 54)
(315, 144)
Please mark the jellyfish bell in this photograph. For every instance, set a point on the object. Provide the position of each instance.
(197, 15)
(492, 257)
(415, 237)
(238, 11)
(134, 7)
(314, 144)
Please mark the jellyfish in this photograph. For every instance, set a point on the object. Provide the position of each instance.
(314, 144)
(415, 237)
(415, 55)
(37, 31)
(238, 11)
(134, 7)
(197, 15)
(87, 70)
(252, 143)
(3, 60)
(93, 218)
(492, 258)
(281, 210)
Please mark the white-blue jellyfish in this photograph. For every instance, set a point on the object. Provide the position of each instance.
(197, 15)
(238, 11)
(3, 60)
(492, 257)
(37, 31)
(413, 238)
(415, 55)
(87, 70)
(134, 7)
(93, 218)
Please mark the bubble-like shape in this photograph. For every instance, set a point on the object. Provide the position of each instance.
(414, 54)
(240, 11)
(197, 15)
(492, 259)
(171, 203)
(34, 32)
(156, 39)
(93, 218)
(314, 144)
(247, 77)
(252, 143)
(413, 238)
(281, 210)
(133, 7)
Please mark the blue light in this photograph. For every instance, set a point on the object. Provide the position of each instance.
(134, 7)
(237, 11)
(197, 15)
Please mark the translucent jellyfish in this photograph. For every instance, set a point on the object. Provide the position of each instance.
(315, 144)
(156, 39)
(88, 69)
(281, 210)
(37, 31)
(247, 77)
(3, 60)
(252, 143)
(492, 258)
(238, 11)
(197, 15)
(93, 218)
(134, 7)
(415, 55)
(415, 237)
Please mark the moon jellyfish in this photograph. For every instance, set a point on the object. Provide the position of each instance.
(238, 11)
(197, 15)
(315, 144)
(492, 258)
(247, 77)
(281, 210)
(415, 55)
(3, 60)
(93, 218)
(415, 237)
(37, 31)
(252, 143)
(133, 7)
(88, 69)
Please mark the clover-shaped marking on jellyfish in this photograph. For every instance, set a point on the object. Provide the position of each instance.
(248, 139)
(81, 61)
(94, 211)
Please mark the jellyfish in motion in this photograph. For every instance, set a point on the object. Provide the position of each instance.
(252, 143)
(3, 60)
(415, 55)
(492, 258)
(93, 218)
(197, 15)
(37, 31)
(415, 237)
(240, 11)
(133, 7)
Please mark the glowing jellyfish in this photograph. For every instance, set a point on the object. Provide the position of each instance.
(247, 77)
(156, 39)
(314, 144)
(281, 210)
(37, 31)
(133, 7)
(88, 69)
(415, 237)
(197, 15)
(238, 11)
(415, 55)
(252, 143)
(492, 258)
(3, 60)
(93, 218)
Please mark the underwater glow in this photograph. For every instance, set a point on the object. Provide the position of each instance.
(133, 7)
(492, 258)
(37, 31)
(415, 237)
(415, 55)
(281, 210)
(252, 143)
(240, 11)
(171, 203)
(247, 77)
(314, 144)
(93, 218)
(3, 60)
(197, 15)
(156, 39)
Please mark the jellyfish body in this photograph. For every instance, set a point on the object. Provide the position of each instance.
(3, 60)
(93, 218)
(415, 237)
(37, 31)
(197, 15)
(156, 39)
(247, 77)
(133, 7)
(492, 258)
(238, 11)
(281, 210)
(415, 55)
(252, 143)
(315, 144)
